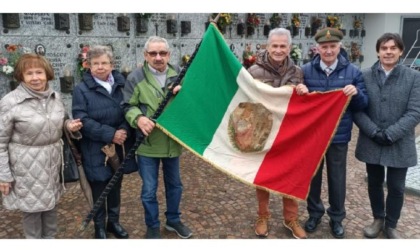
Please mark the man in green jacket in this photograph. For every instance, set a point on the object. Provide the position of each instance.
(144, 90)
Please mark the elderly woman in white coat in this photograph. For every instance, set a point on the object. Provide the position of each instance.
(32, 119)
(387, 133)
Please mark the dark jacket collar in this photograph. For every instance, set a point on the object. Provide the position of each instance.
(92, 84)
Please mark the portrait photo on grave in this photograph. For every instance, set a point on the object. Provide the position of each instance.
(40, 49)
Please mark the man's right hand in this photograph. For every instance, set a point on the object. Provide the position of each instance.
(145, 125)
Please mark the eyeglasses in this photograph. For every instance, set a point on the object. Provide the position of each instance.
(97, 64)
(161, 53)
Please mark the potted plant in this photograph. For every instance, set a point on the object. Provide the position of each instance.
(252, 22)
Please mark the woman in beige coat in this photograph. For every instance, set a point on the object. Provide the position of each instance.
(32, 118)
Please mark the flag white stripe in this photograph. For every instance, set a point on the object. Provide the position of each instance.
(220, 151)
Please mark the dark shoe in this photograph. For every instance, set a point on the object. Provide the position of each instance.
(100, 233)
(373, 230)
(180, 229)
(117, 230)
(337, 229)
(153, 233)
(311, 224)
(392, 233)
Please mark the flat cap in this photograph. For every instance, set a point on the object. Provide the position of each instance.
(328, 34)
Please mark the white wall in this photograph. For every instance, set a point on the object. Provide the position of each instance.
(376, 25)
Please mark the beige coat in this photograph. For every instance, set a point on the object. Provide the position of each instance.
(30, 150)
(266, 72)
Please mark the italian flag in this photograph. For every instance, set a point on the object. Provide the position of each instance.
(267, 137)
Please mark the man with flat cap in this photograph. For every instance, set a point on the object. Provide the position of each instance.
(330, 70)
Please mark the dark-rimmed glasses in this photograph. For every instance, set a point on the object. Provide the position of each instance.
(161, 53)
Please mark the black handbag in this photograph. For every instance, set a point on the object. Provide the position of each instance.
(70, 172)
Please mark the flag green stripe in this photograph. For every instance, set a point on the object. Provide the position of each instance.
(207, 89)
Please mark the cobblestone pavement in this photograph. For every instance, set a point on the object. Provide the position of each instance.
(216, 206)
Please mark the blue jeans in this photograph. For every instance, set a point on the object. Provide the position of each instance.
(149, 172)
(388, 208)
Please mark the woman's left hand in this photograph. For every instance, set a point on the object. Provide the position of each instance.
(5, 187)
(74, 125)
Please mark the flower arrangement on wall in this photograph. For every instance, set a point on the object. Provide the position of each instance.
(333, 21)
(248, 57)
(253, 20)
(296, 53)
(9, 58)
(82, 64)
(296, 20)
(357, 23)
(224, 20)
(275, 20)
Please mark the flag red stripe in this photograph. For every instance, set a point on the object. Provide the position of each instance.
(304, 135)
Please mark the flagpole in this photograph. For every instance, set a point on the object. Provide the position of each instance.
(139, 139)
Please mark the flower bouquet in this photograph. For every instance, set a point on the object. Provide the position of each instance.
(248, 57)
(275, 20)
(82, 64)
(9, 58)
(294, 30)
(296, 53)
(224, 20)
(252, 21)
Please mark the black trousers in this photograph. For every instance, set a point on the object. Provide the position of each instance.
(390, 210)
(111, 206)
(336, 162)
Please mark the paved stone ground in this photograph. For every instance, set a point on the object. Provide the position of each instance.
(215, 206)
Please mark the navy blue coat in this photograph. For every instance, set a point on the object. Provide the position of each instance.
(345, 73)
(101, 115)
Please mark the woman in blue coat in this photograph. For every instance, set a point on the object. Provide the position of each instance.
(96, 101)
(386, 137)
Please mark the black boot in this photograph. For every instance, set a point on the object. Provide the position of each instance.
(99, 218)
(117, 230)
(100, 232)
(113, 207)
